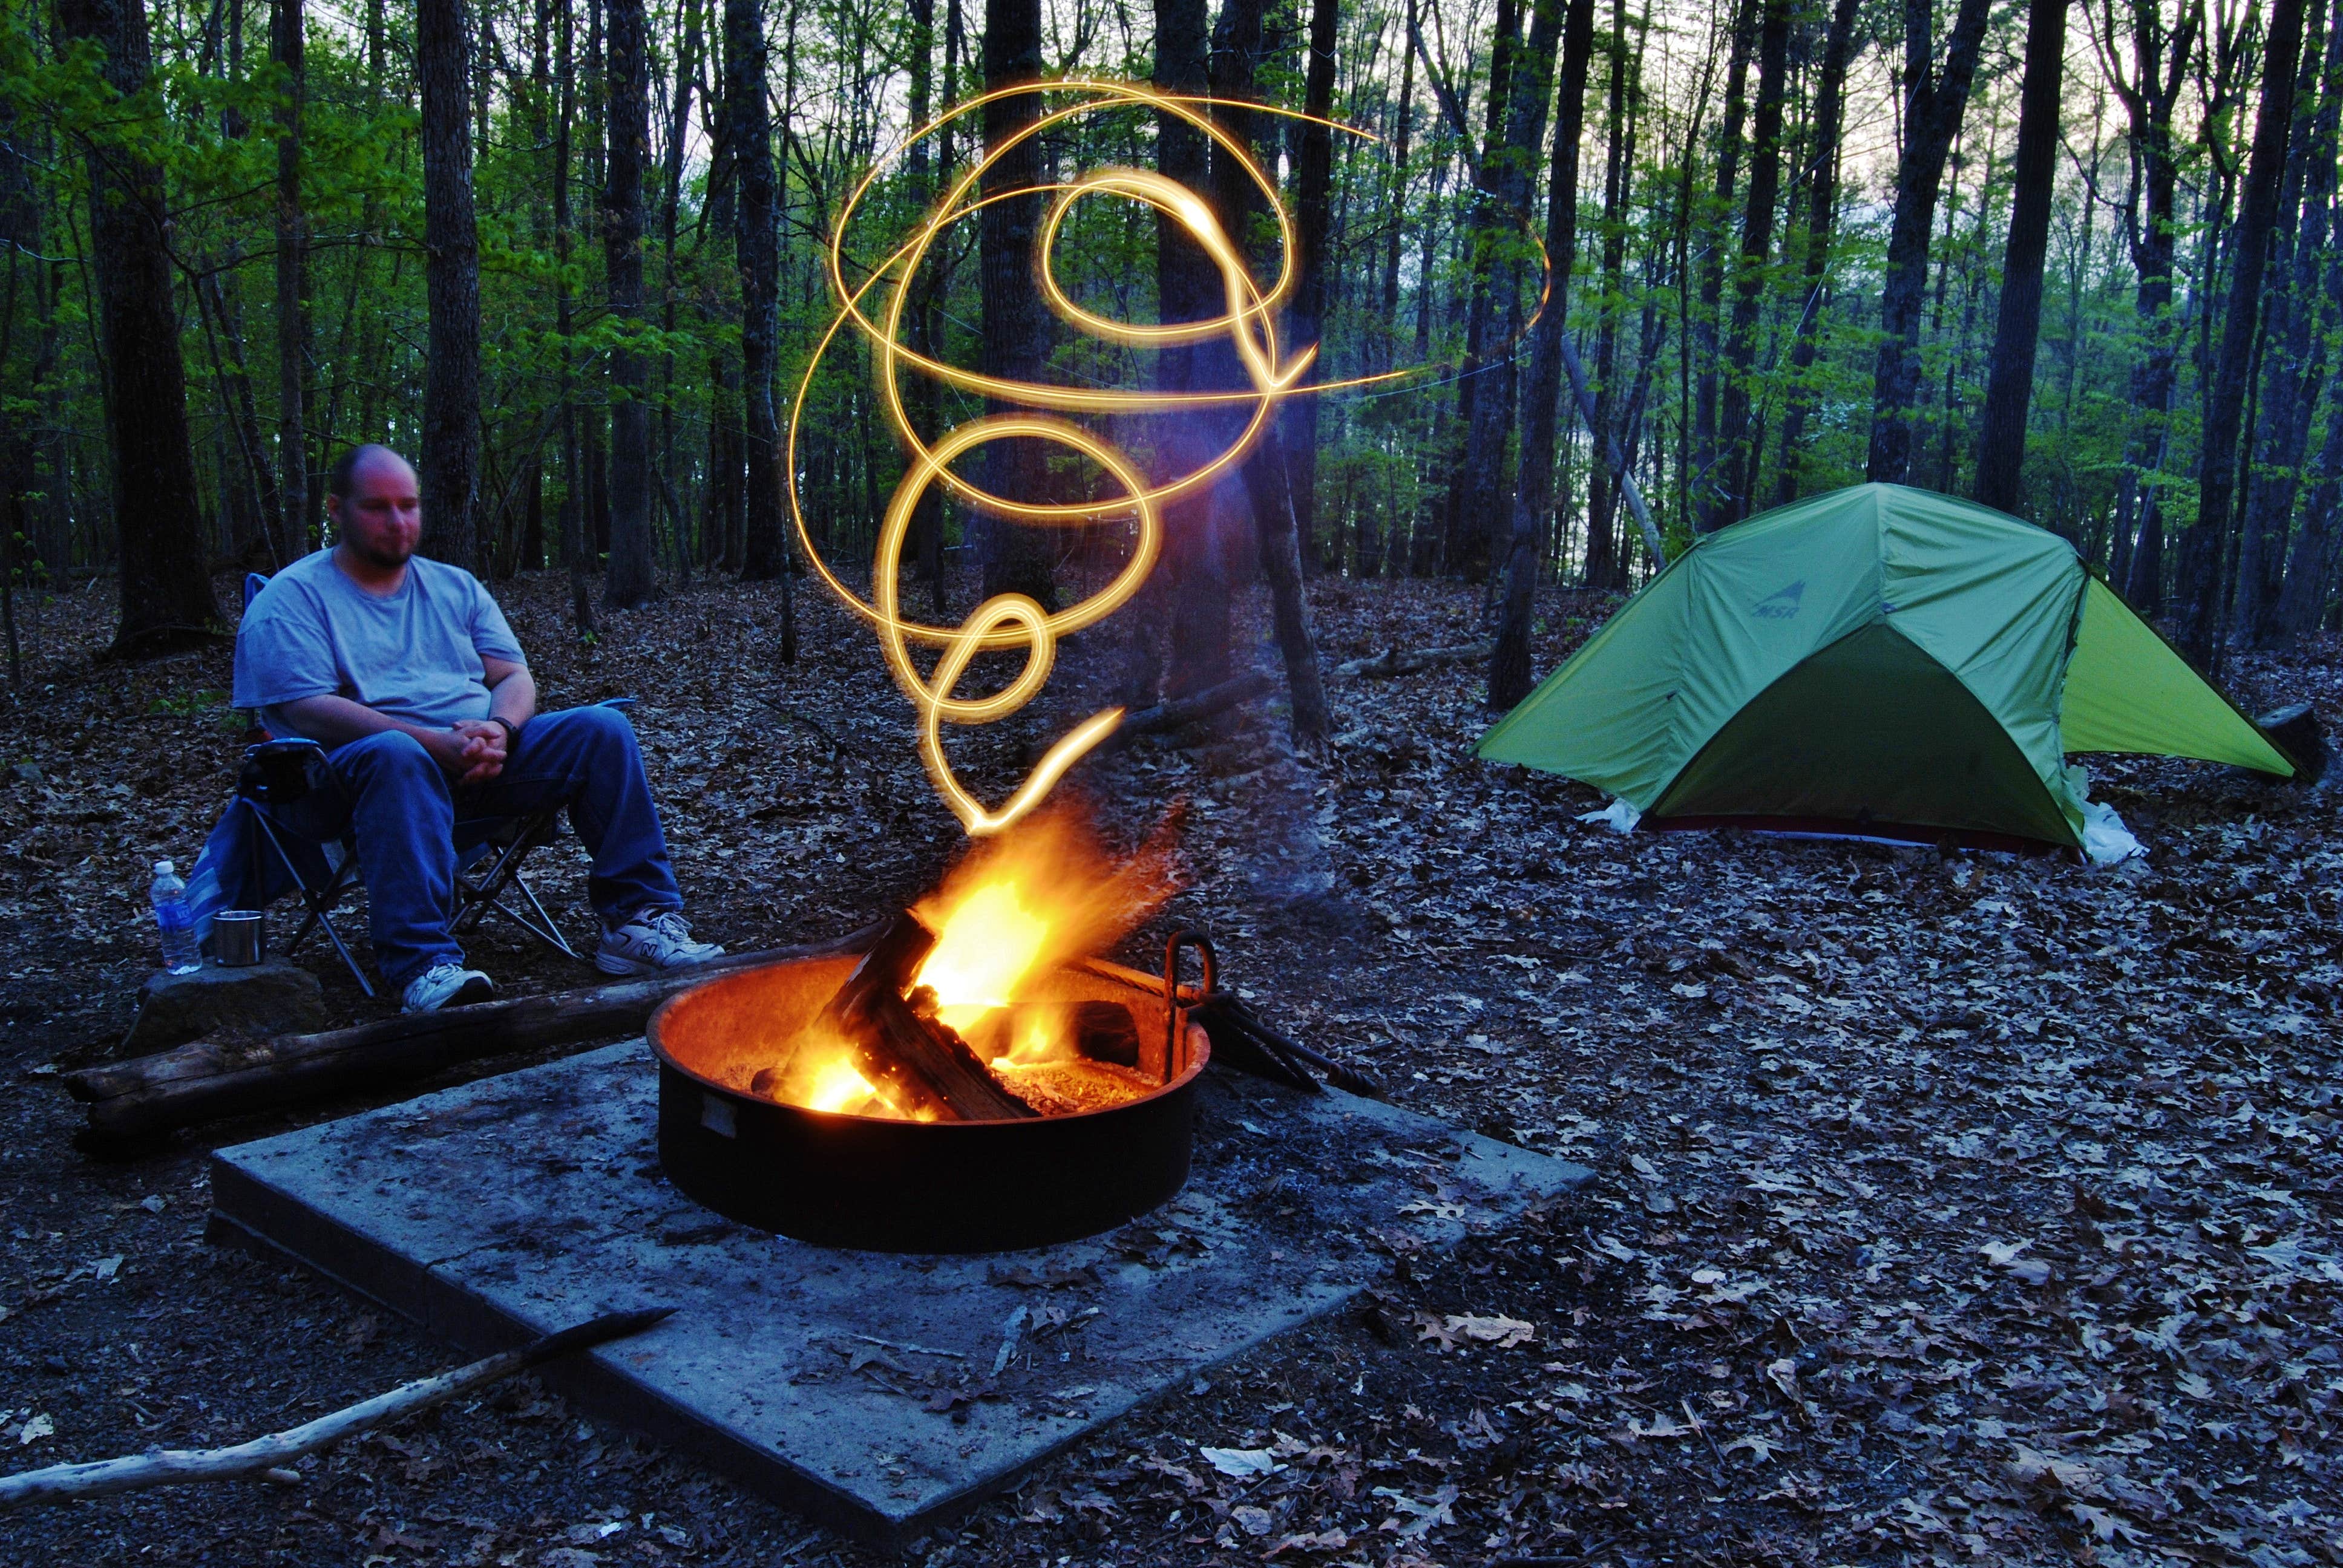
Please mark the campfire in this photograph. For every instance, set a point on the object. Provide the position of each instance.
(979, 1078)
(960, 1012)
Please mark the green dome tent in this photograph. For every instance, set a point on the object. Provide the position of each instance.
(1877, 660)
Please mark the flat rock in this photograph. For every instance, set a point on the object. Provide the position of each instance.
(263, 998)
(879, 1392)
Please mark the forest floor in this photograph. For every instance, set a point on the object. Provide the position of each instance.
(1964, 1209)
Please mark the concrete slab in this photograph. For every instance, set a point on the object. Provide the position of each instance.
(880, 1393)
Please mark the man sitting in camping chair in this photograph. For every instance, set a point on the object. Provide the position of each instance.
(403, 669)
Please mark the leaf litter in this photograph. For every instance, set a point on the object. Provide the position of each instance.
(1956, 1210)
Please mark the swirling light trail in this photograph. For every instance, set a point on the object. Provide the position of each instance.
(1007, 621)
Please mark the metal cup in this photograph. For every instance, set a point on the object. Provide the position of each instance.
(238, 939)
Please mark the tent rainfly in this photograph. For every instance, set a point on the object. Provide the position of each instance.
(1881, 661)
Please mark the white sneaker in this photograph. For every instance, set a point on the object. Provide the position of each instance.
(447, 985)
(650, 941)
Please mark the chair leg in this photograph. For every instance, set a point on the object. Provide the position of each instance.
(320, 904)
(478, 895)
(549, 930)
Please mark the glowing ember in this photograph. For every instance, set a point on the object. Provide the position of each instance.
(837, 1086)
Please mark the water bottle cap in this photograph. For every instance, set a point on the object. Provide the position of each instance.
(165, 868)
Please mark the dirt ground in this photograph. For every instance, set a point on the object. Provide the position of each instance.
(1963, 1209)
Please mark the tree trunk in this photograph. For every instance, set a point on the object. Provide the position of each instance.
(2009, 386)
(1606, 562)
(1385, 340)
(1015, 334)
(166, 593)
(1737, 450)
(212, 299)
(1935, 98)
(1462, 535)
(2302, 601)
(2293, 356)
(287, 23)
(922, 397)
(2159, 70)
(2206, 542)
(747, 121)
(1306, 319)
(1189, 290)
(1236, 52)
(451, 378)
(631, 578)
(571, 520)
(1510, 666)
(1509, 172)
(1822, 210)
(1711, 272)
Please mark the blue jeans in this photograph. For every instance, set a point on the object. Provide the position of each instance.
(405, 808)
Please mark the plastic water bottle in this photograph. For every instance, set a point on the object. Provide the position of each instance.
(177, 920)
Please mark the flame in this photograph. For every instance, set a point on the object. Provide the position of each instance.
(839, 1085)
(1016, 906)
(1030, 900)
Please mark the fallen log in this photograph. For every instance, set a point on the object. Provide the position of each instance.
(214, 1078)
(1391, 661)
(266, 1456)
(1200, 705)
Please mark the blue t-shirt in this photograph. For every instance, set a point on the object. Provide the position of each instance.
(413, 655)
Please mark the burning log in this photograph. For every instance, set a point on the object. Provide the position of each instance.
(923, 1066)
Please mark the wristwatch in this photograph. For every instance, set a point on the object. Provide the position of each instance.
(512, 732)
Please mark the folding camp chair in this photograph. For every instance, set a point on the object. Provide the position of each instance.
(489, 851)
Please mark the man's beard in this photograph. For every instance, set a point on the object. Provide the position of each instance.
(388, 560)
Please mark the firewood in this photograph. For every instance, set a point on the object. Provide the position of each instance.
(926, 1068)
(267, 1455)
(212, 1079)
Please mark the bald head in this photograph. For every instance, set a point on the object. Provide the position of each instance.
(372, 496)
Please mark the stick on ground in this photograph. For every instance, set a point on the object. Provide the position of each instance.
(170, 1467)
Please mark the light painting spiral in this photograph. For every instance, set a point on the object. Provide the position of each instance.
(1012, 620)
